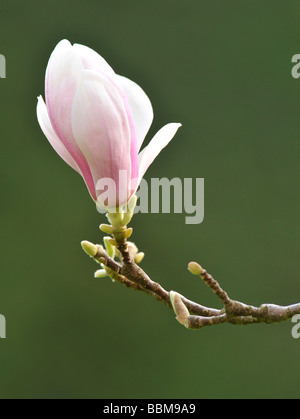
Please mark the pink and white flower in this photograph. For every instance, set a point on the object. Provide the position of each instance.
(97, 120)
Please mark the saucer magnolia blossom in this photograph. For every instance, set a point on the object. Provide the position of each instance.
(97, 120)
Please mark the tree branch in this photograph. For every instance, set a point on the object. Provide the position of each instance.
(189, 313)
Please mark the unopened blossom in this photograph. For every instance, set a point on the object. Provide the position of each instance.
(97, 120)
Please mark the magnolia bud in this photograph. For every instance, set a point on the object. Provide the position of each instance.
(89, 248)
(101, 273)
(195, 268)
(179, 307)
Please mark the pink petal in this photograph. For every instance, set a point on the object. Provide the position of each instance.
(101, 129)
(93, 61)
(45, 124)
(62, 78)
(158, 142)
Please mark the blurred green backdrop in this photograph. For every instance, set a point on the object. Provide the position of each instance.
(223, 69)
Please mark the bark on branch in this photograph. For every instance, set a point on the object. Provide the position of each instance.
(189, 313)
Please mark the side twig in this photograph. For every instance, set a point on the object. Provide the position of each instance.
(189, 313)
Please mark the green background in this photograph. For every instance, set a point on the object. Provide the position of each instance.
(223, 69)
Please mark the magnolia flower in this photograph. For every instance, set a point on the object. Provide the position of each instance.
(97, 120)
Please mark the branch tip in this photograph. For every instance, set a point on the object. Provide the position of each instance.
(195, 268)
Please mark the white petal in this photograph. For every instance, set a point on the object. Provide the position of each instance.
(158, 142)
(141, 108)
(45, 124)
(91, 60)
